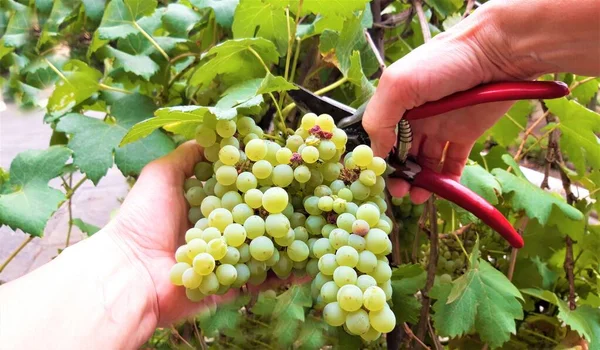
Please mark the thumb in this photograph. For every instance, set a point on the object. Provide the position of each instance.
(432, 71)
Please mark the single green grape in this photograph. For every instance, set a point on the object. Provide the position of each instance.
(255, 149)
(302, 174)
(203, 171)
(235, 234)
(226, 274)
(226, 175)
(334, 315)
(255, 226)
(231, 257)
(176, 273)
(365, 281)
(367, 261)
(346, 256)
(210, 284)
(322, 246)
(205, 136)
(220, 218)
(344, 275)
(204, 264)
(241, 212)
(308, 121)
(192, 233)
(338, 238)
(362, 155)
(253, 198)
(284, 155)
(329, 292)
(383, 320)
(262, 169)
(190, 279)
(277, 225)
(298, 251)
(261, 248)
(275, 200)
(374, 298)
(225, 128)
(327, 264)
(350, 298)
(229, 155)
(217, 248)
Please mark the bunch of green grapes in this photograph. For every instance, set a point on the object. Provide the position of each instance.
(260, 206)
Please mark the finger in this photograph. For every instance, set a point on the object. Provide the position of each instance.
(185, 157)
(399, 89)
(419, 195)
(398, 187)
(456, 158)
(176, 166)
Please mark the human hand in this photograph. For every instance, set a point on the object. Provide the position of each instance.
(151, 225)
(498, 42)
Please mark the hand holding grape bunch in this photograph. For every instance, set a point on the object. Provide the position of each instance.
(293, 208)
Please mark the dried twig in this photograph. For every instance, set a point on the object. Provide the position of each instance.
(436, 340)
(418, 4)
(411, 335)
(468, 8)
(376, 51)
(395, 235)
(458, 232)
(395, 20)
(528, 132)
(431, 269)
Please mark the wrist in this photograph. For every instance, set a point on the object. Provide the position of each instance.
(539, 37)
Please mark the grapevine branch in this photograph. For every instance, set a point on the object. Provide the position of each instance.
(468, 8)
(431, 269)
(151, 40)
(376, 51)
(553, 156)
(412, 335)
(15, 252)
(418, 4)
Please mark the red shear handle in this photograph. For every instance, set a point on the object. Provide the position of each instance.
(453, 191)
(493, 92)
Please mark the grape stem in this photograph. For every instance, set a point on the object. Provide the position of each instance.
(431, 269)
(322, 91)
(151, 40)
(15, 252)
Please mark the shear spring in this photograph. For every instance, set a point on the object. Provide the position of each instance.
(405, 138)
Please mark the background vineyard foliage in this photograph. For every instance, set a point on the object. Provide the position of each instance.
(154, 70)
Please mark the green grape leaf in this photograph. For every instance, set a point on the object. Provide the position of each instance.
(548, 276)
(94, 141)
(357, 77)
(482, 299)
(406, 281)
(489, 159)
(179, 19)
(257, 18)
(579, 127)
(17, 29)
(233, 57)
(94, 9)
(120, 17)
(536, 202)
(586, 91)
(27, 202)
(81, 82)
(584, 320)
(507, 129)
(445, 7)
(44, 6)
(540, 240)
(481, 182)
(352, 38)
(273, 83)
(452, 20)
(312, 334)
(86, 228)
(139, 65)
(347, 341)
(137, 44)
(265, 304)
(224, 9)
(239, 93)
(290, 304)
(226, 317)
(289, 312)
(60, 11)
(175, 116)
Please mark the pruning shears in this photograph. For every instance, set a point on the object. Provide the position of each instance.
(407, 168)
